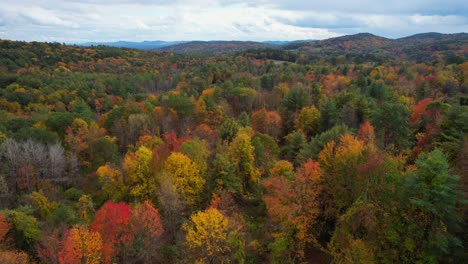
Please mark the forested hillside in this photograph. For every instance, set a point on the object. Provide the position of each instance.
(418, 48)
(214, 47)
(295, 155)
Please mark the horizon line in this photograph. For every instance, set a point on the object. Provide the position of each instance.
(224, 40)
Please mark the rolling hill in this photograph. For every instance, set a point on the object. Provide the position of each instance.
(431, 37)
(214, 47)
(350, 43)
(417, 47)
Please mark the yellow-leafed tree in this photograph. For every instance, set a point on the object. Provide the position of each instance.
(140, 176)
(111, 180)
(241, 153)
(308, 120)
(207, 234)
(186, 176)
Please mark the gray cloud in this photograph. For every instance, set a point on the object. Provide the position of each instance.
(428, 7)
(332, 21)
(245, 28)
(390, 25)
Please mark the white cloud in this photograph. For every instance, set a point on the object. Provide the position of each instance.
(111, 20)
(43, 17)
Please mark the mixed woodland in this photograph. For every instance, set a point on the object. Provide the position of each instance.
(299, 154)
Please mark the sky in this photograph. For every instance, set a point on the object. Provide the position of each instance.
(79, 21)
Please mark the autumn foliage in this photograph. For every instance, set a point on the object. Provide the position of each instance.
(295, 203)
(336, 151)
(146, 220)
(267, 122)
(112, 222)
(5, 227)
(207, 233)
(81, 245)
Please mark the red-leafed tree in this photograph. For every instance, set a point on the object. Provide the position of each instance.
(224, 202)
(171, 144)
(424, 119)
(48, 247)
(419, 110)
(113, 223)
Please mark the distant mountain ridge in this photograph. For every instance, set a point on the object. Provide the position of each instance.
(214, 47)
(287, 42)
(357, 43)
(144, 45)
(192, 45)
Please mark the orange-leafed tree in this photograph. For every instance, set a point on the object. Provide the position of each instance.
(76, 137)
(205, 132)
(278, 199)
(307, 187)
(14, 257)
(5, 227)
(146, 225)
(267, 122)
(80, 245)
(419, 110)
(146, 219)
(294, 205)
(366, 132)
(112, 222)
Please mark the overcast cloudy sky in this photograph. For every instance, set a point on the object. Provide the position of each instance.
(75, 21)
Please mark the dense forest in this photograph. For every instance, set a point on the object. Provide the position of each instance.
(295, 154)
